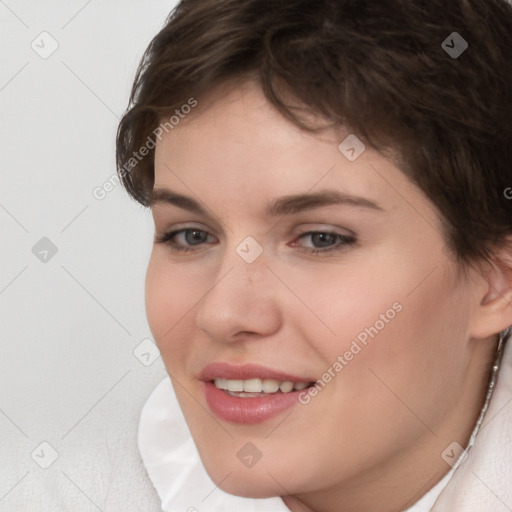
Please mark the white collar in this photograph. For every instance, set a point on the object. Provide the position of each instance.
(173, 464)
(480, 481)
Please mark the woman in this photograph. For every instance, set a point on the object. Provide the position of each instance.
(330, 286)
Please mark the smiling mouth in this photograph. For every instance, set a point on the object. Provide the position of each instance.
(251, 388)
(257, 395)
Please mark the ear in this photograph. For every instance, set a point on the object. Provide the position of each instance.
(494, 293)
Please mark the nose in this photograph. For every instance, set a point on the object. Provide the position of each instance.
(241, 302)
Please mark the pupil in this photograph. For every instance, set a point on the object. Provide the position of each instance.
(194, 237)
(321, 238)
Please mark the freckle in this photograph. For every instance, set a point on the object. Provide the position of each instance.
(256, 275)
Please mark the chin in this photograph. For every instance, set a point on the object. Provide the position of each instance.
(245, 482)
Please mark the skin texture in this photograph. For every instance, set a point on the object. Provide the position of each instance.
(372, 439)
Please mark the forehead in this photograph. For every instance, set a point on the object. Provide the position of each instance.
(234, 131)
(235, 145)
(235, 116)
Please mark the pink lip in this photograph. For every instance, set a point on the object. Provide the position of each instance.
(248, 410)
(247, 371)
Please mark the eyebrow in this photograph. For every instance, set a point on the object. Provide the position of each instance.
(285, 205)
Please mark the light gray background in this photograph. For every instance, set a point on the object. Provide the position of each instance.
(70, 325)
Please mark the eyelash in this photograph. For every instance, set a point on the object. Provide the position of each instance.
(168, 239)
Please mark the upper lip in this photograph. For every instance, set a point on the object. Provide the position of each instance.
(229, 371)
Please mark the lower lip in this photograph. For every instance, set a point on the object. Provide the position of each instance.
(249, 409)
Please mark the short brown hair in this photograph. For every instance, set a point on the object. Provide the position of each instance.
(380, 69)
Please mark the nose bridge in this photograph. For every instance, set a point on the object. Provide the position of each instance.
(237, 282)
(238, 300)
(244, 266)
(255, 274)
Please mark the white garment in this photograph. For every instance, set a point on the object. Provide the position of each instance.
(480, 481)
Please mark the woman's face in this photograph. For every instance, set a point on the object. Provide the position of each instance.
(376, 315)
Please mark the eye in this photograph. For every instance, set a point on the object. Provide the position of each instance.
(184, 240)
(325, 241)
(188, 237)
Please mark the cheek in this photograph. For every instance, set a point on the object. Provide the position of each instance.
(388, 319)
(338, 304)
(169, 295)
(414, 362)
(159, 303)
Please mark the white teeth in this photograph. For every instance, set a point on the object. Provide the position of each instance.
(235, 385)
(258, 385)
(253, 386)
(286, 386)
(221, 383)
(270, 385)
